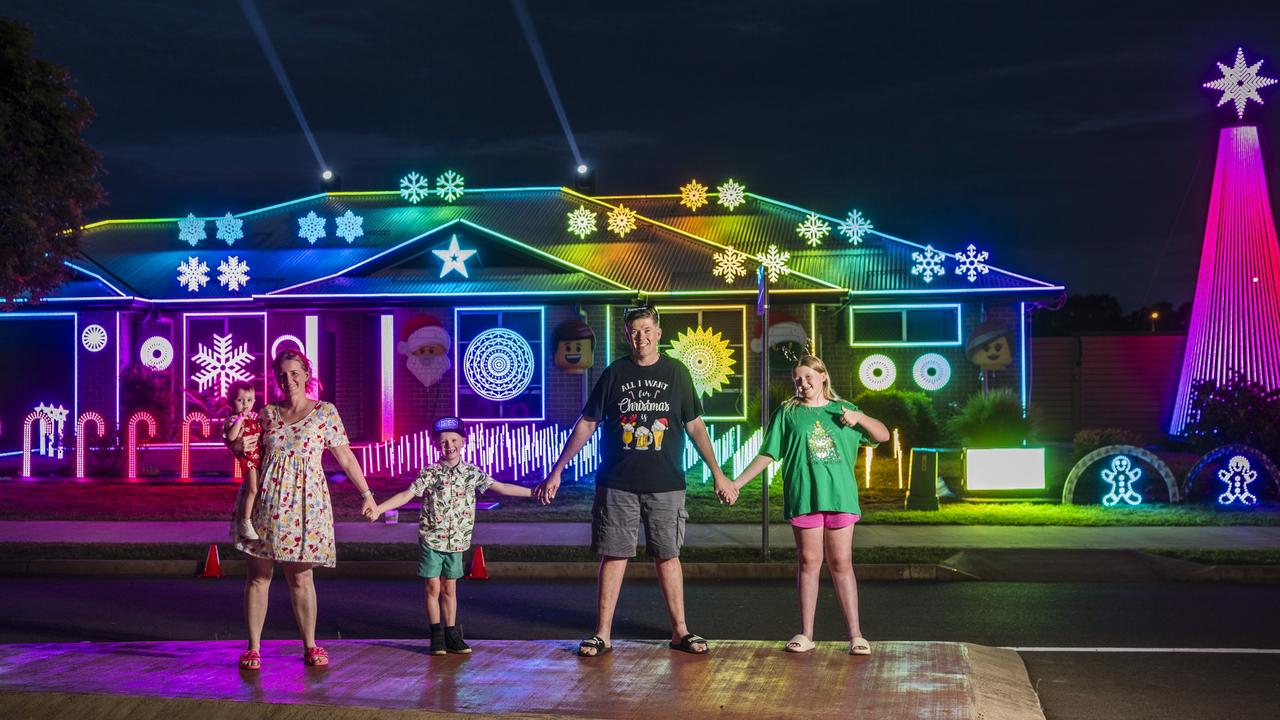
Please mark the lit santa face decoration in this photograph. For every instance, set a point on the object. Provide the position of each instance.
(425, 347)
(988, 346)
(575, 347)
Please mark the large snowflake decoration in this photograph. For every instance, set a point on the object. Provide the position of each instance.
(855, 227)
(94, 338)
(1240, 84)
(813, 229)
(191, 229)
(971, 262)
(498, 364)
(731, 194)
(729, 265)
(622, 220)
(775, 263)
(1237, 475)
(582, 222)
(693, 195)
(414, 187)
(234, 273)
(222, 365)
(1121, 476)
(311, 227)
(449, 186)
(928, 264)
(350, 226)
(708, 357)
(230, 228)
(193, 274)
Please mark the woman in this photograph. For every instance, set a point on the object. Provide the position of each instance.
(294, 516)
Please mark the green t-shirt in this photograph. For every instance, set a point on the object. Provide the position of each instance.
(818, 456)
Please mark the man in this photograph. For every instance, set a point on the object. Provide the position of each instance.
(647, 403)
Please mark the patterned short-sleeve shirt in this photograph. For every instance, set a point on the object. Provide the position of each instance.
(449, 504)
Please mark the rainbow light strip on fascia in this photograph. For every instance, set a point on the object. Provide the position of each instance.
(1235, 317)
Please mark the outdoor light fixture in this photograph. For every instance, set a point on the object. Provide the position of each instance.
(330, 181)
(1004, 469)
(582, 169)
(585, 181)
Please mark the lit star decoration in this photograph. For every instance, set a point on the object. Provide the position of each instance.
(350, 226)
(928, 264)
(193, 274)
(1240, 84)
(775, 263)
(1121, 476)
(191, 229)
(582, 222)
(855, 227)
(230, 228)
(414, 187)
(233, 273)
(693, 195)
(729, 265)
(731, 194)
(311, 227)
(622, 220)
(449, 186)
(1238, 475)
(454, 257)
(971, 262)
(708, 357)
(813, 229)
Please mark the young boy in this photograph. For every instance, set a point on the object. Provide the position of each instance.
(448, 490)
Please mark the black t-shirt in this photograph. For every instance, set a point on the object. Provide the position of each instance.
(643, 410)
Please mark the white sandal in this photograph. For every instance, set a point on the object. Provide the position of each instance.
(799, 644)
(859, 646)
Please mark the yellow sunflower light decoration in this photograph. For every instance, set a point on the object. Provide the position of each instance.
(707, 356)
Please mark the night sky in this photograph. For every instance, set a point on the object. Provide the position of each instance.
(1074, 143)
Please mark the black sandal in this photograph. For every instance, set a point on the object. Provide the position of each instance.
(687, 642)
(595, 642)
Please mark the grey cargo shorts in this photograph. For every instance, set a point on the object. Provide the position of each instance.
(616, 517)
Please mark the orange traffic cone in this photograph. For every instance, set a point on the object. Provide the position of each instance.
(212, 568)
(477, 570)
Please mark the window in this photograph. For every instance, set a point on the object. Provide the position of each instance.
(881, 325)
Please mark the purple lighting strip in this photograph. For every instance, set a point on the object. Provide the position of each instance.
(1235, 318)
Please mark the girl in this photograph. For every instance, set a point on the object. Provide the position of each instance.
(244, 422)
(815, 434)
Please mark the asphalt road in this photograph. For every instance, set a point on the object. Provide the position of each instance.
(1072, 685)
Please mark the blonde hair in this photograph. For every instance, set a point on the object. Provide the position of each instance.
(813, 362)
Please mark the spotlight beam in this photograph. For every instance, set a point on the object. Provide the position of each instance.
(535, 49)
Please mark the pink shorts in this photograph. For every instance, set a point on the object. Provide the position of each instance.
(829, 520)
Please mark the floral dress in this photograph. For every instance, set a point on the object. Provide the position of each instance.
(293, 515)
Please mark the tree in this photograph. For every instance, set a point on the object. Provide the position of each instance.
(48, 173)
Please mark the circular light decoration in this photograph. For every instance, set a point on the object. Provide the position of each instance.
(708, 357)
(157, 353)
(275, 346)
(94, 338)
(498, 364)
(931, 371)
(877, 372)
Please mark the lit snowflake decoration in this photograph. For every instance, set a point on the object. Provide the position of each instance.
(156, 353)
(94, 338)
(449, 186)
(813, 229)
(775, 263)
(193, 274)
(708, 357)
(350, 226)
(191, 229)
(498, 364)
(622, 220)
(693, 195)
(1121, 476)
(222, 365)
(582, 222)
(732, 194)
(1240, 84)
(855, 227)
(971, 263)
(729, 265)
(311, 227)
(1238, 475)
(233, 273)
(414, 187)
(230, 228)
(928, 264)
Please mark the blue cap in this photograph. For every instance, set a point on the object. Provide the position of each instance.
(448, 423)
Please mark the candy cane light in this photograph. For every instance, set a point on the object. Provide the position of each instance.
(81, 426)
(131, 448)
(185, 461)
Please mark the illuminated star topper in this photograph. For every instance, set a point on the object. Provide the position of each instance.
(1240, 83)
(454, 257)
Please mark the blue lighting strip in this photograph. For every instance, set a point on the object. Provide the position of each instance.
(905, 343)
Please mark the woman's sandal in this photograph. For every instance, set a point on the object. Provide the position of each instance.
(800, 644)
(316, 657)
(859, 646)
(688, 641)
(595, 642)
(250, 660)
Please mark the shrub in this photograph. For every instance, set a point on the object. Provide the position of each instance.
(912, 413)
(1237, 411)
(1090, 439)
(989, 420)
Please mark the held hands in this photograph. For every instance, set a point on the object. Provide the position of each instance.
(545, 492)
(370, 509)
(726, 490)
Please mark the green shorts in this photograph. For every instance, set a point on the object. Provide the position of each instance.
(433, 563)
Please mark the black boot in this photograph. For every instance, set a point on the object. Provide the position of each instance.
(453, 641)
(437, 639)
